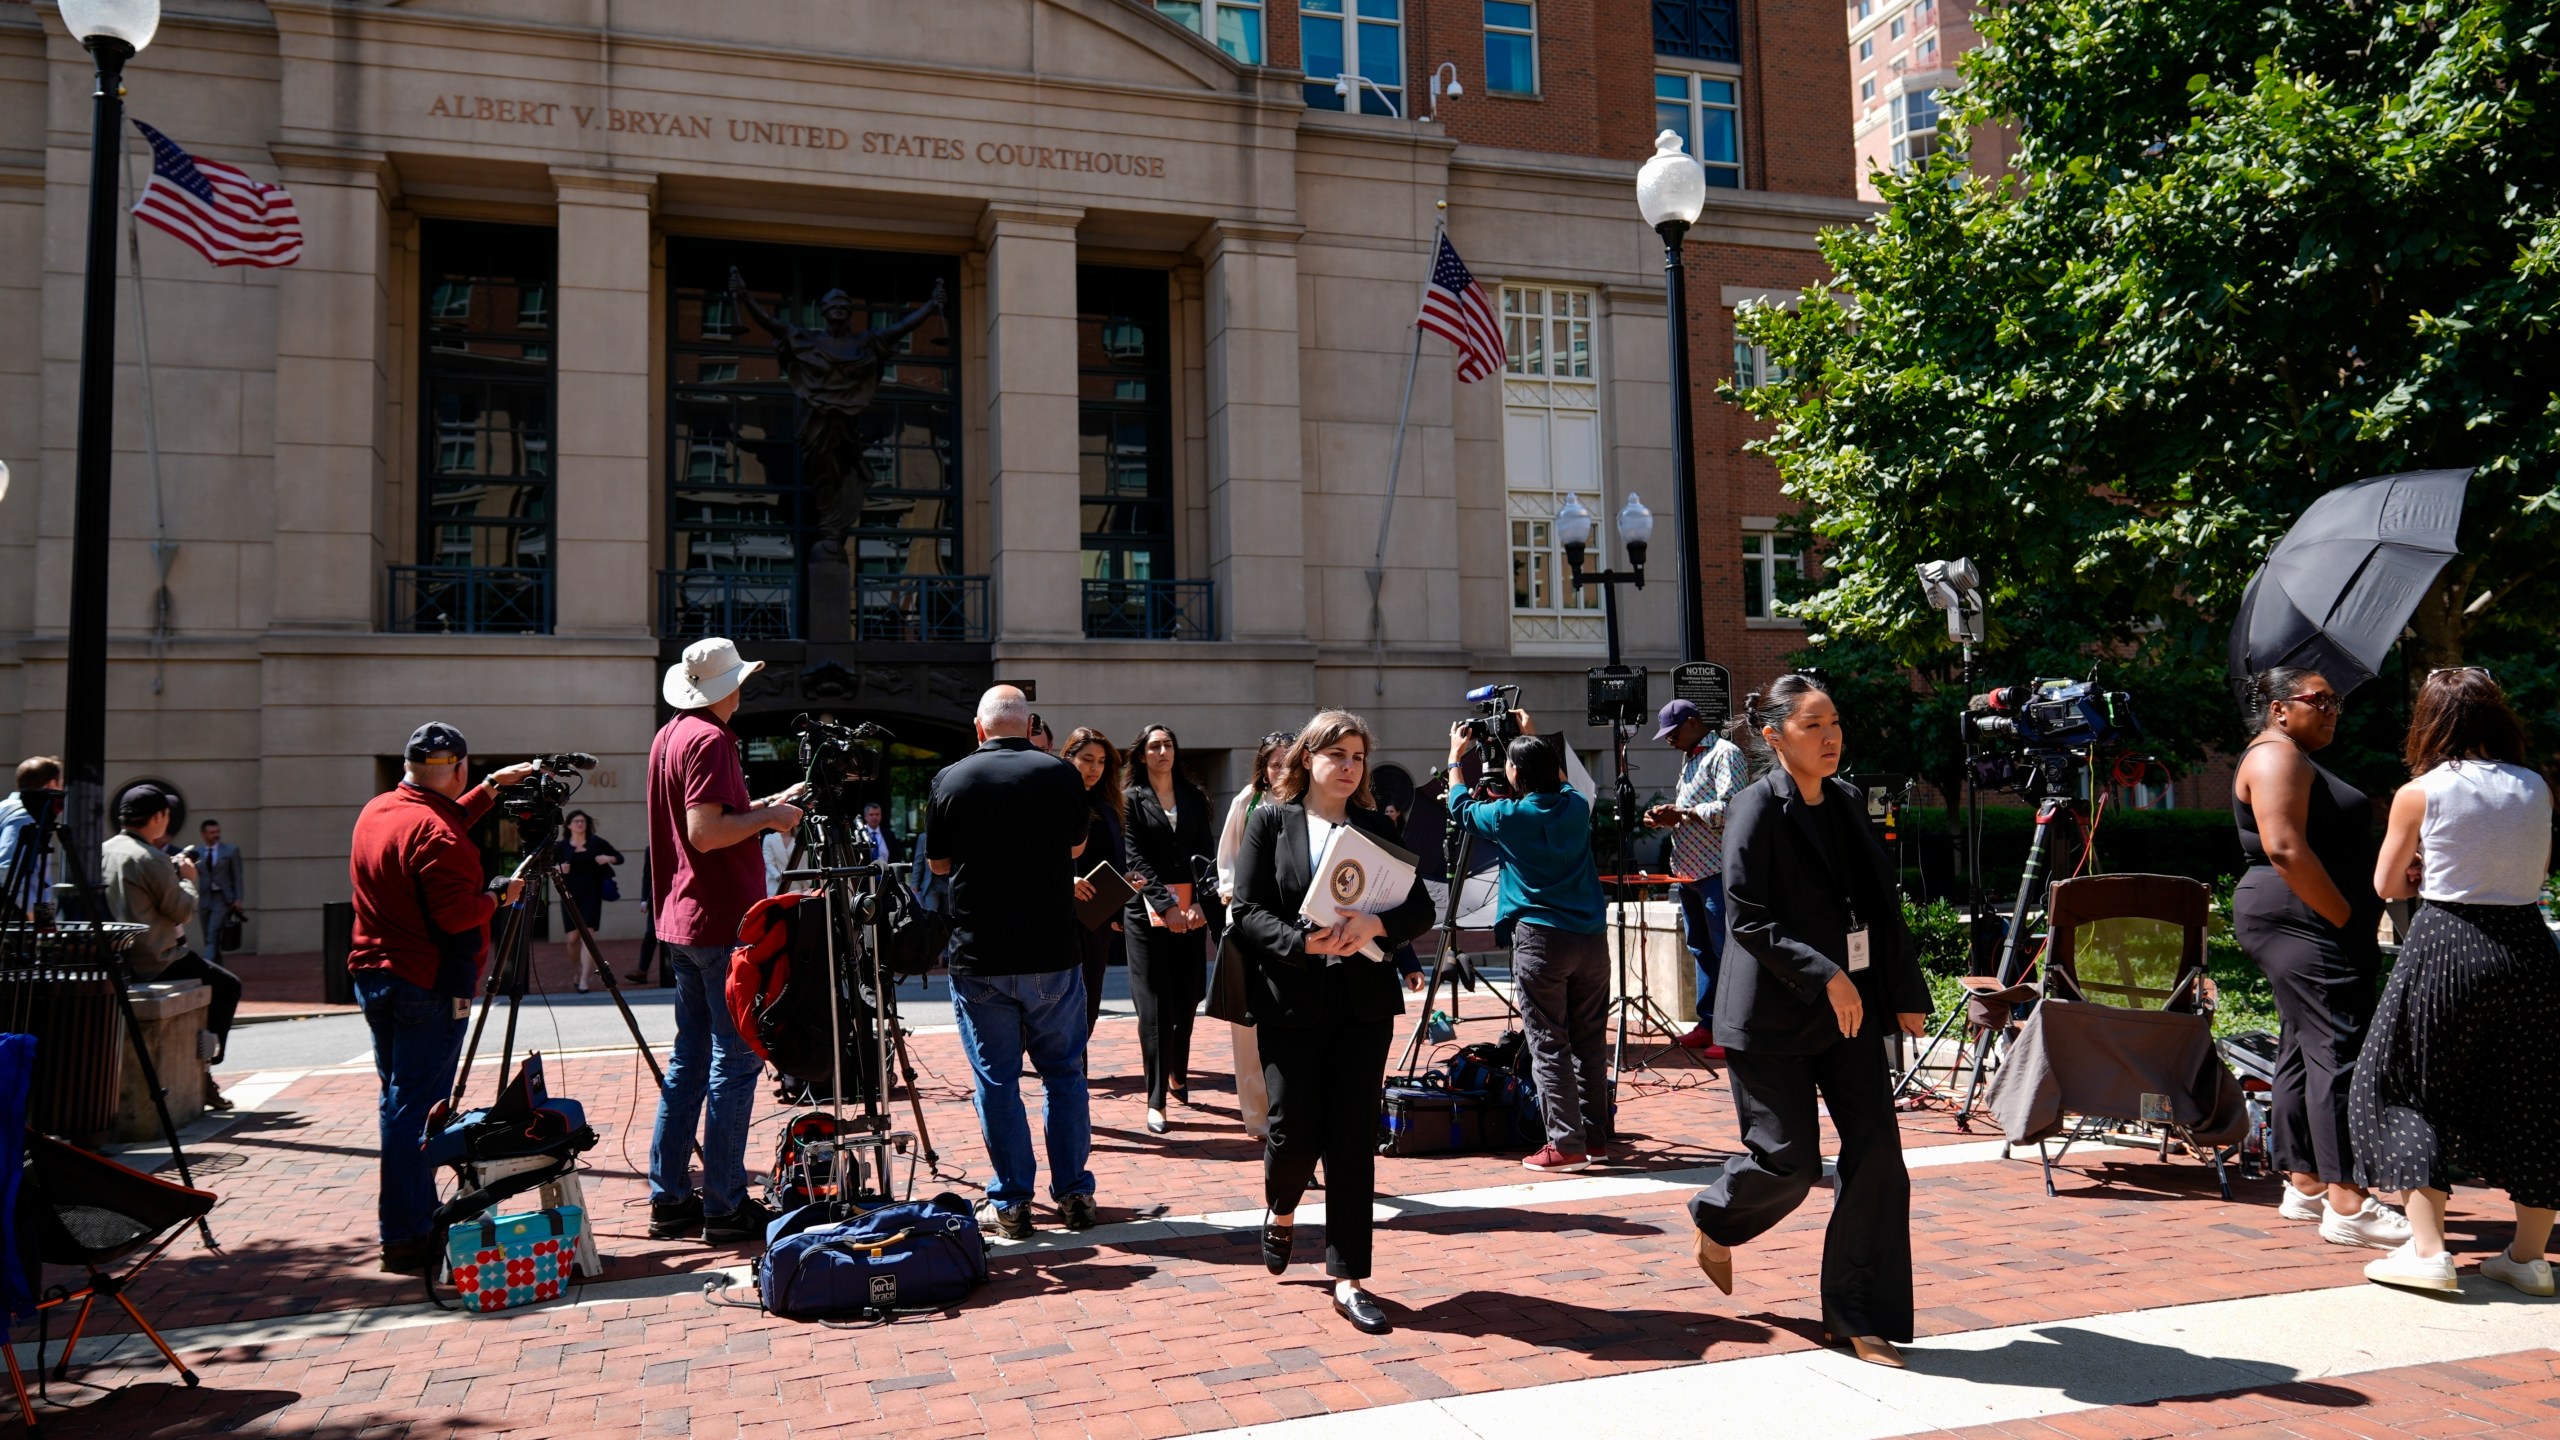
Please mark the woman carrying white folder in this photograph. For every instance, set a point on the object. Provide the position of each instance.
(1326, 1012)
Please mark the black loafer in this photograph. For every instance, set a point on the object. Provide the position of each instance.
(1362, 1312)
(1277, 1242)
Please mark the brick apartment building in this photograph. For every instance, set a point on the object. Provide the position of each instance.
(1901, 52)
(499, 445)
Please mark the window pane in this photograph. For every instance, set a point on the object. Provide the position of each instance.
(1670, 87)
(1715, 138)
(1508, 13)
(1381, 9)
(1185, 13)
(1379, 60)
(1675, 118)
(1319, 7)
(1715, 92)
(1510, 63)
(1240, 33)
(1320, 39)
(1745, 375)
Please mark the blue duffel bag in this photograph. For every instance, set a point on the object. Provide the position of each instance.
(916, 1255)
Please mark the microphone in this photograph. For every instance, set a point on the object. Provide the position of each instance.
(568, 760)
(1482, 693)
(2006, 697)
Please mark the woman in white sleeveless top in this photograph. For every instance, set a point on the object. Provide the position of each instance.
(2461, 1070)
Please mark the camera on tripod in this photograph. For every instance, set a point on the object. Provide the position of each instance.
(1491, 729)
(838, 758)
(2053, 724)
(534, 802)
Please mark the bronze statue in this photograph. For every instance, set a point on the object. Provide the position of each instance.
(836, 374)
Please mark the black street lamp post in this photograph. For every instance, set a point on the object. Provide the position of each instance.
(114, 31)
(1671, 191)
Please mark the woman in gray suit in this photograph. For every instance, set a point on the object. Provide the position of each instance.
(1811, 899)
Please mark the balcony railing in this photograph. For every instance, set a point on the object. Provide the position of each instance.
(470, 600)
(1150, 610)
(921, 609)
(695, 603)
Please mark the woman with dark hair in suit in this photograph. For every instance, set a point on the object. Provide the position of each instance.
(1326, 1012)
(586, 861)
(1170, 832)
(1089, 750)
(1810, 898)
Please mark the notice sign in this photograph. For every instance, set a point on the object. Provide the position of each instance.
(1708, 686)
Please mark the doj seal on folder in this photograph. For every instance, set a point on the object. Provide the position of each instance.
(1357, 872)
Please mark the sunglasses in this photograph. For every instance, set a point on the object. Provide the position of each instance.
(2480, 670)
(1280, 737)
(2325, 701)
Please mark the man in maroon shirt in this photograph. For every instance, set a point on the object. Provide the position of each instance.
(422, 913)
(705, 870)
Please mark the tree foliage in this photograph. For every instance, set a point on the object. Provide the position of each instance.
(2247, 253)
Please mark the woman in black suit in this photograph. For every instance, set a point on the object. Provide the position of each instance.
(1089, 750)
(586, 867)
(1169, 830)
(1326, 1012)
(1810, 897)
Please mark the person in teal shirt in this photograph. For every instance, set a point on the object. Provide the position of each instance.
(1550, 894)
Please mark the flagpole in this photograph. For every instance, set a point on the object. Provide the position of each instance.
(1377, 573)
(163, 552)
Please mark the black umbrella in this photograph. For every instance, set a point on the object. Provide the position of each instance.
(2339, 586)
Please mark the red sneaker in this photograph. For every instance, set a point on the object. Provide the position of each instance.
(1550, 1159)
(1702, 1038)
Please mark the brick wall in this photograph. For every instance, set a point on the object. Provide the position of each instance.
(1795, 74)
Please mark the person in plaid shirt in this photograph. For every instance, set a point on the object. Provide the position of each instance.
(1711, 774)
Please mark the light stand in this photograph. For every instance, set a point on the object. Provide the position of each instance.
(1955, 587)
(114, 32)
(1625, 692)
(1671, 192)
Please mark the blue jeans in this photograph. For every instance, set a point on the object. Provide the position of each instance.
(417, 1038)
(708, 1056)
(1000, 1017)
(1702, 930)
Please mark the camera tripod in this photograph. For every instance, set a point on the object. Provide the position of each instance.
(1633, 1001)
(855, 894)
(35, 844)
(511, 970)
(1450, 967)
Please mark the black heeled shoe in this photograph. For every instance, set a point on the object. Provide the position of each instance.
(1362, 1312)
(1277, 1242)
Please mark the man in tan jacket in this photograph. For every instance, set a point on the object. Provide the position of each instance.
(148, 886)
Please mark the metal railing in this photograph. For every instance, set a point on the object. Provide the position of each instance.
(921, 609)
(1150, 610)
(469, 600)
(695, 603)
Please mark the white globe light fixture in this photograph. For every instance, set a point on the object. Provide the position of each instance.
(1573, 523)
(1671, 193)
(1671, 189)
(130, 23)
(1635, 529)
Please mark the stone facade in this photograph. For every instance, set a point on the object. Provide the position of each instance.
(1017, 140)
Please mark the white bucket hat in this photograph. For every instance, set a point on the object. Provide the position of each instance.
(709, 673)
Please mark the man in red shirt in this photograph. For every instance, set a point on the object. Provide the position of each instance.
(422, 912)
(705, 870)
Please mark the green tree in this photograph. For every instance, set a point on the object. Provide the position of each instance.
(2249, 252)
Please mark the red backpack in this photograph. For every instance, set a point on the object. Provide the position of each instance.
(778, 982)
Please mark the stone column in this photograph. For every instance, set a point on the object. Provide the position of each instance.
(1257, 528)
(601, 571)
(1037, 534)
(332, 440)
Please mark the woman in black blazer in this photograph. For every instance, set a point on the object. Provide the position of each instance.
(1089, 750)
(1810, 897)
(1326, 1012)
(1170, 831)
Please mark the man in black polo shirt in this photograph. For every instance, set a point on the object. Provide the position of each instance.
(1006, 823)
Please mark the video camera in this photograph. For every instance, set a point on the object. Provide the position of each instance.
(2054, 723)
(839, 757)
(1493, 726)
(534, 802)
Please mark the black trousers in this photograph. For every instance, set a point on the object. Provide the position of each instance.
(1168, 975)
(1866, 1251)
(2326, 984)
(226, 994)
(1325, 1086)
(1098, 945)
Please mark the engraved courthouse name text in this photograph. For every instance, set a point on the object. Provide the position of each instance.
(793, 135)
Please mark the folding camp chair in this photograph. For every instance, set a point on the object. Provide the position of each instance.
(84, 1210)
(2124, 1032)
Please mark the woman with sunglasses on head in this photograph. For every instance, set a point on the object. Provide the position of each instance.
(1325, 1010)
(2461, 1072)
(1089, 750)
(1826, 970)
(1270, 766)
(1165, 926)
(2305, 915)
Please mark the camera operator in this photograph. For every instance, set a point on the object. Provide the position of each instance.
(147, 885)
(1551, 897)
(707, 869)
(1711, 772)
(422, 914)
(38, 775)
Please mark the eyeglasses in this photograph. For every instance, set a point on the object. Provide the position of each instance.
(1281, 737)
(2480, 670)
(2325, 701)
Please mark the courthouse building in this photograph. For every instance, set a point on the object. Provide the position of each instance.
(501, 442)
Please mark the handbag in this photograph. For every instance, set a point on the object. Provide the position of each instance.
(506, 1262)
(229, 931)
(1226, 984)
(612, 891)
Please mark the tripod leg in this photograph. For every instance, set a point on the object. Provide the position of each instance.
(585, 939)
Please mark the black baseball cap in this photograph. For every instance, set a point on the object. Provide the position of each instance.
(1673, 716)
(436, 737)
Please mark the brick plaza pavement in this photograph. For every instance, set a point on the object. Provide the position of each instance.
(1163, 1321)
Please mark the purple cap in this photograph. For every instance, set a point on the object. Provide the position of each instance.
(1673, 716)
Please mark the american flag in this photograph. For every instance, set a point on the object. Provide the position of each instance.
(228, 217)
(1454, 308)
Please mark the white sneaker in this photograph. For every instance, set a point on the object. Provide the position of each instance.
(2297, 1206)
(2376, 1226)
(2533, 1277)
(2404, 1267)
